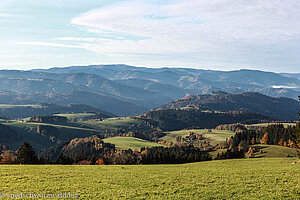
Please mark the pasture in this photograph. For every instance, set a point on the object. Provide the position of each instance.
(76, 116)
(28, 131)
(273, 151)
(6, 106)
(267, 124)
(133, 143)
(263, 178)
(116, 123)
(212, 135)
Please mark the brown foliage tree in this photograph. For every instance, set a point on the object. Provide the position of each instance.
(264, 139)
(7, 157)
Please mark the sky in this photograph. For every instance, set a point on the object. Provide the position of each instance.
(206, 34)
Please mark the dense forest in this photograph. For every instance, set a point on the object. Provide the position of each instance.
(177, 119)
(8, 135)
(271, 135)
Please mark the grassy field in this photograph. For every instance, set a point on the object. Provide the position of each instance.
(116, 123)
(214, 137)
(267, 124)
(274, 151)
(263, 178)
(5, 106)
(130, 143)
(77, 115)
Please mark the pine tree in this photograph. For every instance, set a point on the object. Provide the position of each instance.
(296, 136)
(26, 154)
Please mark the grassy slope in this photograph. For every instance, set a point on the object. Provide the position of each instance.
(77, 115)
(274, 151)
(115, 123)
(267, 178)
(130, 143)
(214, 137)
(68, 130)
(269, 151)
(5, 106)
(28, 131)
(267, 124)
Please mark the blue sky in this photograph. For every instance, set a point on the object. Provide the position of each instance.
(219, 34)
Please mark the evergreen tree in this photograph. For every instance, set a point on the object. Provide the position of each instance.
(26, 154)
(65, 160)
(296, 136)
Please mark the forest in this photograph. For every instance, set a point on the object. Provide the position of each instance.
(177, 119)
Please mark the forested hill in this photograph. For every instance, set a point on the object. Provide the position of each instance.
(177, 119)
(23, 111)
(127, 90)
(279, 108)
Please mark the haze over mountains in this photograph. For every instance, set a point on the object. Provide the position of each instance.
(126, 90)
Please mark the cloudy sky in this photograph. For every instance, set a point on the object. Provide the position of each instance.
(209, 34)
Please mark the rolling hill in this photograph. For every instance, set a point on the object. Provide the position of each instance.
(178, 119)
(195, 81)
(24, 111)
(133, 143)
(97, 100)
(126, 90)
(214, 136)
(278, 108)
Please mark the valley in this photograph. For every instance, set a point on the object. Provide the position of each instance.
(172, 127)
(137, 99)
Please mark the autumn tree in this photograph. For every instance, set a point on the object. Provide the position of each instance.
(7, 157)
(264, 139)
(251, 152)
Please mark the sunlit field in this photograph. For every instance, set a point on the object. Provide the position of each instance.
(263, 178)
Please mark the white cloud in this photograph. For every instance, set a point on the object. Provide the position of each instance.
(80, 39)
(191, 27)
(209, 33)
(49, 44)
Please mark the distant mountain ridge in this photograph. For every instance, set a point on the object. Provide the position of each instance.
(48, 109)
(126, 90)
(196, 81)
(278, 108)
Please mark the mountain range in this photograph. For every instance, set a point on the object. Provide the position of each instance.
(126, 90)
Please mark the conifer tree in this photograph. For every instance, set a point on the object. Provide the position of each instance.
(26, 154)
(296, 136)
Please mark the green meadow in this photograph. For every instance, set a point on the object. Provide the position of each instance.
(5, 106)
(267, 124)
(273, 151)
(255, 178)
(133, 143)
(212, 135)
(77, 115)
(115, 123)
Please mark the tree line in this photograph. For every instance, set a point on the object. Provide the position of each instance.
(93, 150)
